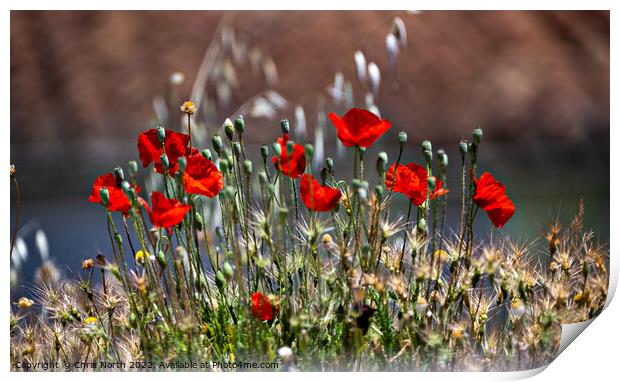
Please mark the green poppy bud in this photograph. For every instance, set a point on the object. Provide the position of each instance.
(237, 149)
(161, 134)
(182, 161)
(165, 163)
(431, 182)
(247, 167)
(361, 150)
(229, 128)
(284, 125)
(309, 151)
(428, 156)
(104, 194)
(264, 152)
(217, 144)
(379, 191)
(228, 270)
(118, 173)
(231, 160)
(477, 136)
(262, 178)
(277, 149)
(133, 168)
(442, 157)
(239, 125)
(207, 154)
(290, 146)
(382, 163)
(402, 138)
(329, 162)
(161, 259)
(422, 225)
(126, 187)
(198, 221)
(463, 148)
(118, 238)
(223, 165)
(323, 174)
(426, 145)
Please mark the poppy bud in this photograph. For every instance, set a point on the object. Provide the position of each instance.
(443, 158)
(247, 167)
(229, 191)
(463, 148)
(290, 146)
(379, 191)
(161, 134)
(223, 165)
(284, 125)
(133, 168)
(165, 163)
(426, 145)
(422, 225)
(126, 188)
(119, 239)
(182, 161)
(104, 194)
(239, 125)
(228, 271)
(161, 259)
(323, 174)
(329, 162)
(237, 149)
(402, 138)
(361, 150)
(231, 160)
(118, 172)
(264, 152)
(428, 156)
(207, 154)
(477, 136)
(277, 149)
(217, 143)
(431, 182)
(198, 221)
(382, 163)
(308, 150)
(229, 128)
(262, 178)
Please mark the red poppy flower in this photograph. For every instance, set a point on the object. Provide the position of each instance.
(293, 166)
(491, 197)
(166, 212)
(262, 308)
(118, 200)
(410, 180)
(150, 149)
(202, 177)
(439, 190)
(359, 127)
(317, 197)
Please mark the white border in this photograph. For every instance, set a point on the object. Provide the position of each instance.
(593, 356)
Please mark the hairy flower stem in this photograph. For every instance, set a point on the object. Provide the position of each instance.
(402, 252)
(189, 129)
(389, 197)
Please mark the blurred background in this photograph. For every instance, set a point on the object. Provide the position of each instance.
(85, 84)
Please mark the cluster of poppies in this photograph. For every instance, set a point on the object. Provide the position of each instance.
(172, 155)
